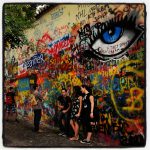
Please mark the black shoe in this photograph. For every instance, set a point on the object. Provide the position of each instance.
(85, 141)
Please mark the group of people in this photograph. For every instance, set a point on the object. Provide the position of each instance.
(78, 111)
(71, 112)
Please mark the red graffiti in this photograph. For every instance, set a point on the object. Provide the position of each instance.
(58, 47)
(136, 47)
(45, 38)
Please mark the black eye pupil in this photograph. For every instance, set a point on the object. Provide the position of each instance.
(111, 32)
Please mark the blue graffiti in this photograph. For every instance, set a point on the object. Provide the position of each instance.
(34, 61)
(116, 84)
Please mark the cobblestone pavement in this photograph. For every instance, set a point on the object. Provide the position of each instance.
(21, 135)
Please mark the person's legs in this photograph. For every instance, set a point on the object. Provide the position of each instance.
(14, 116)
(84, 125)
(89, 131)
(76, 129)
(14, 112)
(7, 113)
(61, 121)
(66, 126)
(89, 135)
(72, 125)
(7, 116)
(37, 118)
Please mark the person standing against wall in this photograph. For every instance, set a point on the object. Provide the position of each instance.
(64, 105)
(10, 105)
(36, 101)
(76, 112)
(87, 113)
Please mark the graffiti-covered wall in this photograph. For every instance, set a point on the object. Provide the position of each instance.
(99, 45)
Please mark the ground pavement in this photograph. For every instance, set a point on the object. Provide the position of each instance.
(21, 135)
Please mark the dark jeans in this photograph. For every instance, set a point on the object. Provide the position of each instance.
(37, 118)
(64, 128)
(86, 121)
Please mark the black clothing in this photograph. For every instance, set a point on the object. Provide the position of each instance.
(64, 101)
(86, 110)
(75, 109)
(63, 116)
(37, 118)
(86, 103)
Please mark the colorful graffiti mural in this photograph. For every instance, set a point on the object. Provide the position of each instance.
(100, 45)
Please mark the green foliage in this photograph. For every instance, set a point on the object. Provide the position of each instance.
(17, 18)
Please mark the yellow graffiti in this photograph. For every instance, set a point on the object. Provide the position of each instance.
(57, 85)
(138, 73)
(95, 80)
(68, 79)
(44, 117)
(112, 70)
(76, 82)
(127, 82)
(130, 81)
(15, 69)
(16, 83)
(22, 95)
(134, 100)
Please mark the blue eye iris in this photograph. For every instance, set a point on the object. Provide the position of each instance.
(112, 35)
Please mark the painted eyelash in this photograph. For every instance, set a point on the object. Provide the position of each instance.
(123, 22)
(127, 22)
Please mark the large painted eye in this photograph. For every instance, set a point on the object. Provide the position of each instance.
(109, 45)
(111, 40)
(112, 35)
